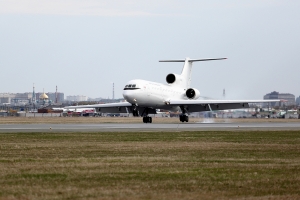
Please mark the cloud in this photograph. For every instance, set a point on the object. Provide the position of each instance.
(80, 7)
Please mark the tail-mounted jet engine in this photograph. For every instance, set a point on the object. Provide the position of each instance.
(192, 93)
(172, 78)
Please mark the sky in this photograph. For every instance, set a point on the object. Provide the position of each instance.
(84, 46)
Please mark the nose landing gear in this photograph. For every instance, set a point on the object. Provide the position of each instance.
(184, 118)
(147, 119)
(135, 111)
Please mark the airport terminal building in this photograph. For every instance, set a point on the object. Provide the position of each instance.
(290, 98)
(298, 101)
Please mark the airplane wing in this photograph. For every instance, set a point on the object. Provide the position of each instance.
(211, 105)
(123, 107)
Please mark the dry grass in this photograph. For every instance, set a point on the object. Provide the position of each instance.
(158, 165)
(93, 120)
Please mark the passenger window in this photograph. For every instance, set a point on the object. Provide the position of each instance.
(133, 85)
(129, 85)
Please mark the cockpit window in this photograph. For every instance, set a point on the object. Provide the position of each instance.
(132, 87)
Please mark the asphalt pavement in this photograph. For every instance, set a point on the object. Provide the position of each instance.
(135, 127)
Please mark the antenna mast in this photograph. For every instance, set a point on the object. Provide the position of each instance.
(113, 96)
(56, 95)
(33, 95)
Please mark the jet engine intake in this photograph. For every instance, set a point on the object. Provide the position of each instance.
(172, 78)
(192, 93)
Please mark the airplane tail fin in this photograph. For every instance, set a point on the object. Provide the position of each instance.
(187, 68)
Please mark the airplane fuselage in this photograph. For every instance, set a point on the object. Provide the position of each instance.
(151, 94)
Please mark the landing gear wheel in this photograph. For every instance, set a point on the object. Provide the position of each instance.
(184, 118)
(147, 119)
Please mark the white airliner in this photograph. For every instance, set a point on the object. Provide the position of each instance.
(145, 97)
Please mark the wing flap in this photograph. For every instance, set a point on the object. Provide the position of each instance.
(122, 104)
(188, 102)
(123, 107)
(208, 105)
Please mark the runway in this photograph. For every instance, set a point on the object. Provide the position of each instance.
(135, 127)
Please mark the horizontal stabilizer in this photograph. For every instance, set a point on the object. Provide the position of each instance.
(193, 60)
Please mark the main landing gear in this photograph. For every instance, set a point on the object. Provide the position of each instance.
(184, 118)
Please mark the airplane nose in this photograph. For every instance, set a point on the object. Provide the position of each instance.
(125, 94)
(128, 95)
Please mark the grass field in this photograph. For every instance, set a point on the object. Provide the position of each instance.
(150, 165)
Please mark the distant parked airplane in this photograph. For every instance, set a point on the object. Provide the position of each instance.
(144, 97)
